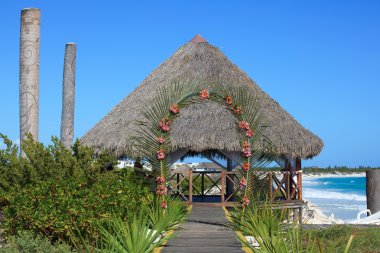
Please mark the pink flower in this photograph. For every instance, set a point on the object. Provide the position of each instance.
(164, 204)
(160, 180)
(161, 154)
(247, 152)
(164, 124)
(237, 109)
(204, 94)
(228, 100)
(244, 125)
(246, 166)
(174, 109)
(243, 183)
(161, 190)
(245, 201)
(249, 133)
(160, 140)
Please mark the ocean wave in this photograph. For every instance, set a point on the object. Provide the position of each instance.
(313, 193)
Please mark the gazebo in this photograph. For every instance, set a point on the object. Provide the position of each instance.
(208, 128)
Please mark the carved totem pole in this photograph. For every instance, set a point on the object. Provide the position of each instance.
(68, 95)
(29, 72)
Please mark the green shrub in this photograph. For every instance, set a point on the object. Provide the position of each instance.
(27, 242)
(54, 162)
(73, 196)
(57, 208)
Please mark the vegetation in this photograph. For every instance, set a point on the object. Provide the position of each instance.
(337, 169)
(28, 242)
(273, 235)
(330, 170)
(74, 197)
(334, 238)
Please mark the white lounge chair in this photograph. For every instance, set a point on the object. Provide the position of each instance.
(371, 219)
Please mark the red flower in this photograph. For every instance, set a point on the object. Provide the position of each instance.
(174, 109)
(246, 144)
(160, 180)
(228, 100)
(204, 94)
(164, 124)
(164, 204)
(246, 166)
(237, 109)
(161, 190)
(243, 183)
(249, 133)
(245, 201)
(244, 125)
(160, 154)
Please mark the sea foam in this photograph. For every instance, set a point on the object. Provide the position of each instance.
(320, 194)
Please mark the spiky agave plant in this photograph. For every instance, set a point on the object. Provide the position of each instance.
(134, 235)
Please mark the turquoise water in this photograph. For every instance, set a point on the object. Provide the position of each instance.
(343, 197)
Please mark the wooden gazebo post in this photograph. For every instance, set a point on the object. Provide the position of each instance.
(229, 184)
(299, 178)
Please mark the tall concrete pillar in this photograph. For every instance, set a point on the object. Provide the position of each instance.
(68, 95)
(29, 72)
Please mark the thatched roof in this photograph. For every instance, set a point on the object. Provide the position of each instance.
(202, 126)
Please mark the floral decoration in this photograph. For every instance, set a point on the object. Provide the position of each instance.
(245, 201)
(174, 109)
(204, 94)
(242, 183)
(228, 100)
(160, 140)
(164, 124)
(237, 109)
(161, 154)
(164, 204)
(246, 166)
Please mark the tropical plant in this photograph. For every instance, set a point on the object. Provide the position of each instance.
(172, 216)
(265, 223)
(132, 236)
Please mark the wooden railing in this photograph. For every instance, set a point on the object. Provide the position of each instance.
(285, 185)
(280, 186)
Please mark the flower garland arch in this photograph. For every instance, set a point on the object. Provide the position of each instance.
(154, 132)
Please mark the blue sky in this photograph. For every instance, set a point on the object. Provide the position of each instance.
(319, 59)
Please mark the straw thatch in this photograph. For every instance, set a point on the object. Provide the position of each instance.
(201, 126)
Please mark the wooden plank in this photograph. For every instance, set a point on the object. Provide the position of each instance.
(205, 230)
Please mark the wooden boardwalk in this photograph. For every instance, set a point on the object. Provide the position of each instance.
(204, 230)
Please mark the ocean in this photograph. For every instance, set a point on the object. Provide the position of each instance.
(343, 196)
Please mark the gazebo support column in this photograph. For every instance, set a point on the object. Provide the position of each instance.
(229, 184)
(299, 178)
